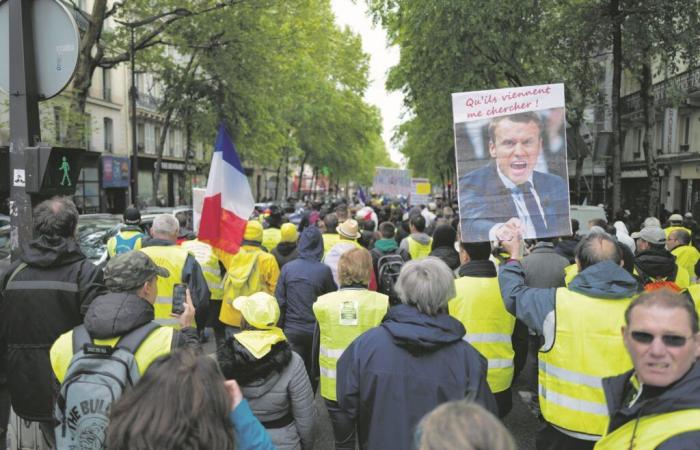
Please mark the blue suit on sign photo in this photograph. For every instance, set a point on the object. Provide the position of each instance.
(485, 201)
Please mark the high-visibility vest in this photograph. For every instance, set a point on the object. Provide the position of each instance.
(130, 238)
(157, 344)
(204, 254)
(570, 273)
(682, 279)
(271, 237)
(418, 250)
(694, 291)
(669, 230)
(329, 240)
(342, 316)
(686, 257)
(648, 432)
(171, 257)
(479, 306)
(587, 347)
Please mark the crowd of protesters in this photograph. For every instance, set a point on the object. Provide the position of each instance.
(412, 338)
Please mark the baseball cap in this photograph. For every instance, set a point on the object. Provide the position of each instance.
(128, 271)
(653, 235)
(260, 310)
(132, 216)
(688, 215)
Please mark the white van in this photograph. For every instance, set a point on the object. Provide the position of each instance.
(584, 213)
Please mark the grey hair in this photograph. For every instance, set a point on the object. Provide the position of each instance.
(427, 284)
(165, 224)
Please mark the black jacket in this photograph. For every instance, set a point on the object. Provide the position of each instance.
(449, 255)
(285, 252)
(43, 301)
(657, 263)
(683, 394)
(238, 363)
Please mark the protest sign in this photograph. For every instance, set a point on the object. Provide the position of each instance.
(391, 181)
(420, 191)
(197, 205)
(510, 149)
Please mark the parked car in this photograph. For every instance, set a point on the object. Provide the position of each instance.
(584, 213)
(94, 230)
(148, 214)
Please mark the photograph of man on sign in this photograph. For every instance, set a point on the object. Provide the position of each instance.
(517, 189)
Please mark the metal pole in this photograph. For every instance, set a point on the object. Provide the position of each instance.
(134, 145)
(24, 119)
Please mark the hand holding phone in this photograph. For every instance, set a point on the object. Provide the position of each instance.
(179, 298)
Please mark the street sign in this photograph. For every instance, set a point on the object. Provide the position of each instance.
(56, 46)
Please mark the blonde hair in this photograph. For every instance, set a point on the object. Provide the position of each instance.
(462, 425)
(354, 267)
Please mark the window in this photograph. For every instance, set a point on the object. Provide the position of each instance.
(140, 136)
(157, 135)
(150, 139)
(640, 141)
(106, 85)
(685, 145)
(87, 191)
(171, 143)
(108, 134)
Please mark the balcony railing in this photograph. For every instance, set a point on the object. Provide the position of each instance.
(147, 101)
(687, 82)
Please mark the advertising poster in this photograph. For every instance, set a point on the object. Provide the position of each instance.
(420, 191)
(510, 147)
(391, 181)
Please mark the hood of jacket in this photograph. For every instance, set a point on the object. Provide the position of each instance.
(683, 394)
(422, 238)
(656, 262)
(286, 248)
(605, 280)
(117, 313)
(310, 244)
(386, 245)
(448, 254)
(257, 375)
(420, 333)
(51, 251)
(478, 269)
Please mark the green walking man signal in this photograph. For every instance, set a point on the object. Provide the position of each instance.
(65, 167)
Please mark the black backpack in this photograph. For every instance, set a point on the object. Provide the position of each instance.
(388, 269)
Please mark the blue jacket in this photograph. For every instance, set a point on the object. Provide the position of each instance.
(250, 434)
(301, 282)
(394, 374)
(484, 201)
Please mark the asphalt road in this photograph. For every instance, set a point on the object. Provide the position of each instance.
(521, 422)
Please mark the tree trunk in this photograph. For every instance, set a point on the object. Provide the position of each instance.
(617, 19)
(286, 173)
(186, 193)
(277, 180)
(648, 111)
(159, 153)
(301, 177)
(314, 177)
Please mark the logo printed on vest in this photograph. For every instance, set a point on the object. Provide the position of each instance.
(349, 312)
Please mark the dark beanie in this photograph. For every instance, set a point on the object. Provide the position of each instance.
(444, 236)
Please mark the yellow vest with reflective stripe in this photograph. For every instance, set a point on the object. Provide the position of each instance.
(271, 237)
(649, 432)
(479, 306)
(342, 316)
(686, 257)
(587, 347)
(204, 254)
(329, 240)
(418, 250)
(127, 234)
(158, 343)
(173, 258)
(694, 291)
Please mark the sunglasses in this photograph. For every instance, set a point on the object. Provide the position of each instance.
(669, 340)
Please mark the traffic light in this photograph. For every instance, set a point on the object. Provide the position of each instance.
(52, 170)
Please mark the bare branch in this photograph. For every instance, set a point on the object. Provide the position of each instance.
(113, 9)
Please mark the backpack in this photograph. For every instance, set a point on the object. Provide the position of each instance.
(96, 377)
(242, 278)
(388, 269)
(124, 245)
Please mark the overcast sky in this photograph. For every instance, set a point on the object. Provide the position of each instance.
(374, 43)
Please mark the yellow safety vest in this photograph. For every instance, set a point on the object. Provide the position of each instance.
(157, 344)
(686, 257)
(669, 230)
(587, 347)
(694, 291)
(271, 237)
(418, 250)
(126, 234)
(570, 273)
(204, 254)
(329, 240)
(479, 306)
(649, 432)
(682, 279)
(173, 258)
(342, 316)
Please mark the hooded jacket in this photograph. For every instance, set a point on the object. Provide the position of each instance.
(301, 281)
(275, 386)
(285, 252)
(683, 394)
(656, 263)
(394, 374)
(544, 267)
(44, 300)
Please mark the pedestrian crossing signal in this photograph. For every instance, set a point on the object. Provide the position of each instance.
(53, 170)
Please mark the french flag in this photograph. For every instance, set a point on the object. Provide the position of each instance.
(228, 201)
